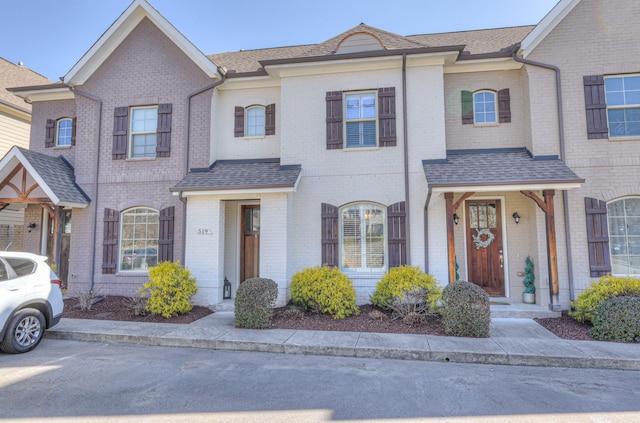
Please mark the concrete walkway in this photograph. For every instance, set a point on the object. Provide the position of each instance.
(517, 341)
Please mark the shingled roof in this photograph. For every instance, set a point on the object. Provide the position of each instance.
(226, 175)
(513, 166)
(478, 42)
(14, 76)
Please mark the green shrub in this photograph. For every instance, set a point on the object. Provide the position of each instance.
(324, 290)
(529, 277)
(407, 289)
(170, 288)
(601, 290)
(254, 303)
(465, 310)
(617, 319)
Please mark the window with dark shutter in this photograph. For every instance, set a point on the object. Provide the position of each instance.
(387, 117)
(330, 235)
(334, 120)
(504, 106)
(110, 241)
(165, 237)
(163, 146)
(597, 237)
(467, 107)
(73, 131)
(396, 234)
(270, 120)
(596, 107)
(120, 127)
(50, 134)
(238, 129)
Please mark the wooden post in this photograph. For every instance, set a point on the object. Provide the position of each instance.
(451, 246)
(58, 218)
(552, 250)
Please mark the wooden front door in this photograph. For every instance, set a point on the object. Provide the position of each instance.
(485, 256)
(250, 243)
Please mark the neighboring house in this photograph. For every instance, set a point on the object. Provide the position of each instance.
(15, 123)
(452, 152)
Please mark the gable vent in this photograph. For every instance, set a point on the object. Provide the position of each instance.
(359, 42)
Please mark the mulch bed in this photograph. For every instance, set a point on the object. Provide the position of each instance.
(118, 308)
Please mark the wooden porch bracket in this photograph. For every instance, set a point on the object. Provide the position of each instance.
(451, 208)
(547, 207)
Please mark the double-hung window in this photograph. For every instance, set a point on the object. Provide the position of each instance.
(362, 234)
(484, 107)
(623, 105)
(139, 241)
(144, 127)
(63, 132)
(624, 236)
(255, 121)
(361, 122)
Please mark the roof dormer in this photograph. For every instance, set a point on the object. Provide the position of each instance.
(358, 42)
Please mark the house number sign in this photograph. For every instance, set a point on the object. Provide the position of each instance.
(205, 231)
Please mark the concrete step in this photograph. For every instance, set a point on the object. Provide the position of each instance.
(225, 305)
(521, 311)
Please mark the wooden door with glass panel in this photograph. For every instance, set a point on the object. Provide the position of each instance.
(250, 243)
(485, 256)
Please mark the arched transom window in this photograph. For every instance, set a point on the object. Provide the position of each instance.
(139, 240)
(624, 235)
(362, 238)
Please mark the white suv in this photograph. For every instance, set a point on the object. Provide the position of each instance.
(30, 300)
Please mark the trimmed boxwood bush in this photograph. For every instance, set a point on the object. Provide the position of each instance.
(170, 289)
(406, 284)
(601, 290)
(254, 303)
(617, 319)
(324, 289)
(465, 310)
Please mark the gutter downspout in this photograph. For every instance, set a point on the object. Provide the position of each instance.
(94, 231)
(407, 224)
(222, 71)
(565, 195)
(426, 230)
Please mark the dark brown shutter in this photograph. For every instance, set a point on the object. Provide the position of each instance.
(467, 107)
(270, 120)
(120, 130)
(238, 130)
(396, 234)
(165, 236)
(73, 130)
(597, 237)
(504, 105)
(334, 120)
(330, 236)
(387, 116)
(163, 145)
(596, 107)
(50, 134)
(110, 241)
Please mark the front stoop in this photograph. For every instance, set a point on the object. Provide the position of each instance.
(225, 305)
(522, 311)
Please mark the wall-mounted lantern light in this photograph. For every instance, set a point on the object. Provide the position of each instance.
(516, 217)
(31, 226)
(456, 218)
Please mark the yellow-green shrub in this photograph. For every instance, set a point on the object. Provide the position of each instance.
(170, 288)
(601, 290)
(324, 290)
(405, 283)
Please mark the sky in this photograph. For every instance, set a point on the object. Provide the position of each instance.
(50, 36)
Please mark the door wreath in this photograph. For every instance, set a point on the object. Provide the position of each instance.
(477, 239)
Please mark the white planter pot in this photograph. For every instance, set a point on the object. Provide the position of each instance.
(528, 298)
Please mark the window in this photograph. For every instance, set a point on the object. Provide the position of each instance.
(21, 266)
(360, 113)
(362, 238)
(623, 105)
(624, 236)
(63, 132)
(484, 107)
(255, 121)
(139, 241)
(144, 126)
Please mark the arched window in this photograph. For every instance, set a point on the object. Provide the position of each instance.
(255, 121)
(63, 132)
(139, 240)
(624, 235)
(484, 107)
(362, 238)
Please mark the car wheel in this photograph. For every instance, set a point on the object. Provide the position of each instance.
(24, 332)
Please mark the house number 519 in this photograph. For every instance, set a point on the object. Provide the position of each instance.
(205, 231)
